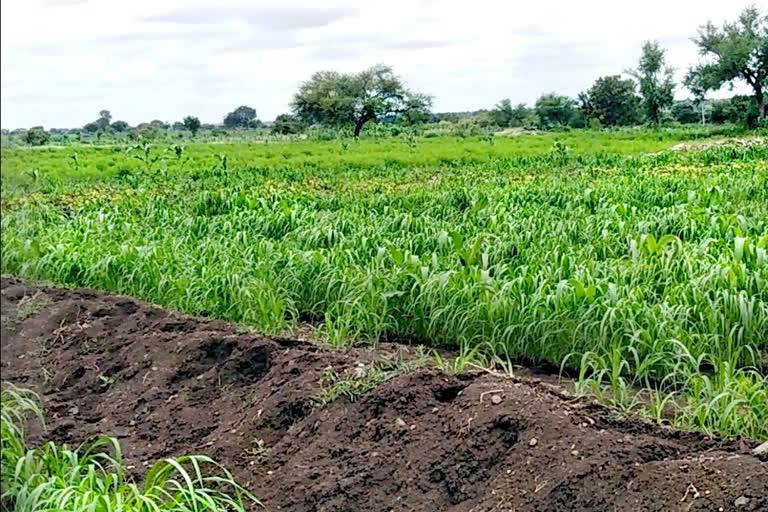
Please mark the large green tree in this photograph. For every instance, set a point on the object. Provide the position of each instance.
(612, 101)
(241, 117)
(192, 123)
(504, 114)
(657, 86)
(554, 110)
(105, 117)
(353, 99)
(737, 51)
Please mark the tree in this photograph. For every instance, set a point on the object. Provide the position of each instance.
(612, 101)
(554, 110)
(91, 127)
(505, 115)
(686, 111)
(657, 86)
(353, 99)
(104, 119)
(158, 124)
(241, 117)
(738, 51)
(695, 83)
(36, 136)
(192, 124)
(286, 124)
(120, 126)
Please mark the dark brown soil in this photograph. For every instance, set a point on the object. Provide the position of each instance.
(167, 384)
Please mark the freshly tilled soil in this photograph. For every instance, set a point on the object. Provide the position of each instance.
(167, 384)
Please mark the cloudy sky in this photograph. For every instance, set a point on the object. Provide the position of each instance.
(64, 60)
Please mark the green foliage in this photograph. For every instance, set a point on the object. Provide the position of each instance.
(36, 136)
(505, 115)
(120, 126)
(540, 247)
(242, 117)
(553, 110)
(341, 99)
(92, 477)
(105, 117)
(738, 51)
(657, 85)
(192, 124)
(286, 124)
(612, 101)
(686, 112)
(738, 110)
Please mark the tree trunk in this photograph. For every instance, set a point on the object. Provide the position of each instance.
(359, 126)
(761, 106)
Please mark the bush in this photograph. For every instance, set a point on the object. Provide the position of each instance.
(36, 136)
(286, 124)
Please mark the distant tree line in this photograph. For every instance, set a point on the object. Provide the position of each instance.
(735, 52)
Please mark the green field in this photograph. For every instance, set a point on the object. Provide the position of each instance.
(604, 254)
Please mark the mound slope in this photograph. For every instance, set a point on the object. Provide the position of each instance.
(167, 384)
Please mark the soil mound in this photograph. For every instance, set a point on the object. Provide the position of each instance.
(168, 384)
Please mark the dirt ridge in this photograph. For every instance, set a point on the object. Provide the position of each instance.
(166, 384)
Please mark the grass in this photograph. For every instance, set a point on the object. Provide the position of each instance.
(601, 253)
(357, 382)
(27, 307)
(92, 477)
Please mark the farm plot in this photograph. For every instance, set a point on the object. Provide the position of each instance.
(626, 270)
(308, 429)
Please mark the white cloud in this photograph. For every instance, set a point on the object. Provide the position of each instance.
(63, 61)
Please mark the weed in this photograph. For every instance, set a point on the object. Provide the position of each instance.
(27, 307)
(92, 477)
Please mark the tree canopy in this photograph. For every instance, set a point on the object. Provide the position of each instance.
(657, 86)
(612, 101)
(737, 51)
(353, 99)
(242, 117)
(286, 124)
(192, 124)
(554, 110)
(505, 115)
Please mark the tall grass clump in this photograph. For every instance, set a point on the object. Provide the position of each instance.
(92, 477)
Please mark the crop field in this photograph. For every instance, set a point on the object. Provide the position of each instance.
(638, 270)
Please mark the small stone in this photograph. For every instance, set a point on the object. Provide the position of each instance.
(400, 423)
(741, 501)
(154, 368)
(132, 423)
(374, 454)
(533, 442)
(575, 453)
(763, 448)
(413, 426)
(435, 409)
(269, 472)
(495, 399)
(74, 410)
(233, 431)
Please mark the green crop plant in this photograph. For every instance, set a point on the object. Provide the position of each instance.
(92, 477)
(642, 270)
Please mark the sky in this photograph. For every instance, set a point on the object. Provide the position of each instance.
(65, 60)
